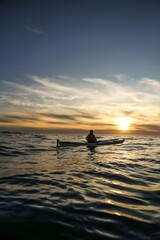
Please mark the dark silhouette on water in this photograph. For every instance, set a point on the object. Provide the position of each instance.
(91, 138)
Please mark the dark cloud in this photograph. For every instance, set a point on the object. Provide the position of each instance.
(148, 127)
(9, 118)
(129, 112)
(21, 117)
(53, 118)
(6, 120)
(86, 115)
(70, 119)
(55, 122)
(82, 114)
(59, 116)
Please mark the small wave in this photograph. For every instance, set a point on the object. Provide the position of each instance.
(12, 152)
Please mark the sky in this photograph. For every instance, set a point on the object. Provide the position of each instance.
(80, 65)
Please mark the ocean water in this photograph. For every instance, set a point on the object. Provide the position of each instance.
(109, 192)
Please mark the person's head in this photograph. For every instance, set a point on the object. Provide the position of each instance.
(91, 131)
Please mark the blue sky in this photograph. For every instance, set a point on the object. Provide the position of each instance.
(73, 64)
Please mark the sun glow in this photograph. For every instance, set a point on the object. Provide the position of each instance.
(124, 123)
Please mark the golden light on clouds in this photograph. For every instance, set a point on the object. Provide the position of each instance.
(123, 123)
(65, 103)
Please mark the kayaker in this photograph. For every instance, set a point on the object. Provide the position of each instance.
(91, 137)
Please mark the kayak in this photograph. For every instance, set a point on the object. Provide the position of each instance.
(98, 143)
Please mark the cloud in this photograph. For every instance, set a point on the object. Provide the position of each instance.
(39, 119)
(46, 94)
(113, 92)
(5, 120)
(96, 81)
(120, 77)
(87, 101)
(150, 85)
(73, 116)
(68, 78)
(96, 92)
(19, 118)
(150, 82)
(36, 30)
(50, 84)
(59, 116)
(148, 127)
(67, 93)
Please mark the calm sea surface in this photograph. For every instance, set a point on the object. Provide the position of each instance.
(110, 192)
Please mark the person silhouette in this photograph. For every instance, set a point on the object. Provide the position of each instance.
(91, 137)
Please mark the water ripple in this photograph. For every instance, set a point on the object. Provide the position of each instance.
(107, 193)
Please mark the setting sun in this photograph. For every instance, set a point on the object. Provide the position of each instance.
(123, 123)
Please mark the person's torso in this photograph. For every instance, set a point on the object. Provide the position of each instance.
(91, 138)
